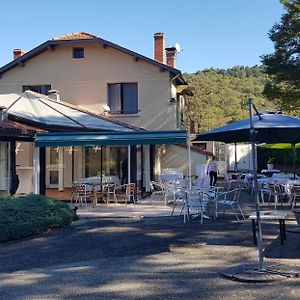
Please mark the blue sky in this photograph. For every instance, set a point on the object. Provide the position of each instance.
(212, 33)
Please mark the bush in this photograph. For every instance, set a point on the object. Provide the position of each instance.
(32, 214)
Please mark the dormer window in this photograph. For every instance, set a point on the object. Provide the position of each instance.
(78, 53)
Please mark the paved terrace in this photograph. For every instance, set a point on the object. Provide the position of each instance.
(115, 253)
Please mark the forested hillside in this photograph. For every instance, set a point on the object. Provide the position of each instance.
(219, 93)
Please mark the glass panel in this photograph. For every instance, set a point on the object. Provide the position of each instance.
(114, 162)
(4, 168)
(92, 161)
(54, 177)
(54, 156)
(130, 98)
(78, 53)
(114, 98)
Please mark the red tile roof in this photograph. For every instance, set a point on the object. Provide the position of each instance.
(76, 36)
(17, 126)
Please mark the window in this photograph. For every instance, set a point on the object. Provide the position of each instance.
(42, 89)
(78, 53)
(202, 146)
(123, 98)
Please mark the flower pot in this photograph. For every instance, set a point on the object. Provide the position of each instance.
(297, 215)
(270, 166)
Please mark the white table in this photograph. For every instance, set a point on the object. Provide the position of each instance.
(169, 176)
(96, 186)
(267, 180)
(269, 172)
(97, 180)
(270, 215)
(25, 175)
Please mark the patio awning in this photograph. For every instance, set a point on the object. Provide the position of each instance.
(54, 139)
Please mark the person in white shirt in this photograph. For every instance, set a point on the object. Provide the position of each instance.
(212, 170)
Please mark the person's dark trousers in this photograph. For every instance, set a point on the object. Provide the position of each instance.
(213, 178)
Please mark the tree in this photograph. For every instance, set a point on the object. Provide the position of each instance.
(283, 65)
(218, 94)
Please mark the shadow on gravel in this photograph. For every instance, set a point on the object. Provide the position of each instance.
(290, 249)
(108, 238)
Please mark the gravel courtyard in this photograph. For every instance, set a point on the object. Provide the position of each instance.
(144, 258)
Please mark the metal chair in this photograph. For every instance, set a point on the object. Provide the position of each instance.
(295, 193)
(195, 203)
(170, 188)
(231, 183)
(129, 194)
(263, 190)
(230, 199)
(179, 200)
(106, 192)
(82, 193)
(275, 191)
(157, 188)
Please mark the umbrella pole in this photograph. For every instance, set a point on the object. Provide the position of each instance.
(294, 159)
(254, 163)
(235, 158)
(285, 170)
(189, 162)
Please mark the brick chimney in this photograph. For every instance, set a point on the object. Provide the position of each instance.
(159, 47)
(18, 53)
(171, 56)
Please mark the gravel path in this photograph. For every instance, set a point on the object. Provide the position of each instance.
(143, 258)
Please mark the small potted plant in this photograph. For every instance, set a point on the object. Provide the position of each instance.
(270, 163)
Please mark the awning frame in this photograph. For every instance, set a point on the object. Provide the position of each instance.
(55, 139)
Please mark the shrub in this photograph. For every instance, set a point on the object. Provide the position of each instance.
(32, 214)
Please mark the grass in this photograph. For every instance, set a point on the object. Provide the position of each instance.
(31, 214)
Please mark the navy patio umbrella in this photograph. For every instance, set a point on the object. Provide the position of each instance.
(269, 127)
(264, 127)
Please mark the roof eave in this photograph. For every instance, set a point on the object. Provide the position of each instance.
(50, 44)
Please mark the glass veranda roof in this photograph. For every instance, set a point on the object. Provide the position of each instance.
(45, 112)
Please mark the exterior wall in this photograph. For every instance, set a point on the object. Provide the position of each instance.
(84, 82)
(243, 155)
(176, 157)
(24, 156)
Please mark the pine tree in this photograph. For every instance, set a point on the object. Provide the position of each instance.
(283, 65)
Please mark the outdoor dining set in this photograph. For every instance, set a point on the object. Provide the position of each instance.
(185, 197)
(198, 200)
(102, 189)
(278, 187)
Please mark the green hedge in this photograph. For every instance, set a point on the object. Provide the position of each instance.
(31, 214)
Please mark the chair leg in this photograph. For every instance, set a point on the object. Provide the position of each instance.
(173, 210)
(262, 197)
(236, 215)
(241, 211)
(201, 212)
(181, 210)
(275, 201)
(216, 209)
